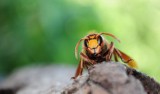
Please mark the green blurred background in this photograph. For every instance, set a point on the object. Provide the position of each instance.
(46, 31)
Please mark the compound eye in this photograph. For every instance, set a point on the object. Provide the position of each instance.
(100, 40)
(86, 43)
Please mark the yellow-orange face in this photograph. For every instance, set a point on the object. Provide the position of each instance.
(93, 44)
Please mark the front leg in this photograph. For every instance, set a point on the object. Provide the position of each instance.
(110, 52)
(84, 62)
(79, 69)
(86, 58)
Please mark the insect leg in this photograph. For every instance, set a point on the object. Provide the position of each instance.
(115, 56)
(126, 59)
(123, 58)
(79, 69)
(110, 52)
(85, 58)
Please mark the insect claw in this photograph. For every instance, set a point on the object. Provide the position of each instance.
(73, 78)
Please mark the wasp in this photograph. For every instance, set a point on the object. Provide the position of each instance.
(97, 49)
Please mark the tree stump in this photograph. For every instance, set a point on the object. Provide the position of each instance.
(103, 78)
(113, 78)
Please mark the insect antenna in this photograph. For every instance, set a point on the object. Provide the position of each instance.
(103, 33)
(76, 48)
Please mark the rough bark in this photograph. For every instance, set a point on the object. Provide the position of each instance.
(149, 84)
(104, 78)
